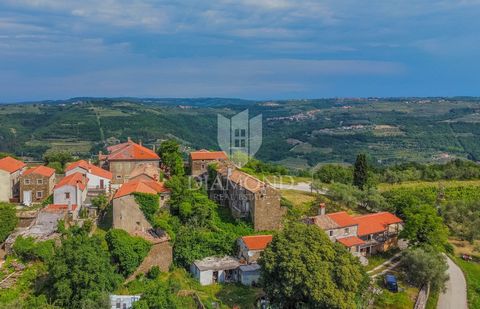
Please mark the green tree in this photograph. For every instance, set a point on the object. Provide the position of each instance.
(29, 250)
(330, 173)
(63, 157)
(423, 226)
(127, 251)
(303, 268)
(360, 172)
(80, 273)
(171, 158)
(8, 220)
(425, 265)
(101, 202)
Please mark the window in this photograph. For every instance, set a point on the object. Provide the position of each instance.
(237, 143)
(330, 233)
(347, 230)
(26, 181)
(242, 133)
(237, 132)
(39, 181)
(162, 197)
(67, 195)
(203, 166)
(119, 176)
(242, 143)
(39, 194)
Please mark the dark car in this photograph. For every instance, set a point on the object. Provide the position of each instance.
(391, 283)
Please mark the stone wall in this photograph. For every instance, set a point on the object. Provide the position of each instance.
(128, 216)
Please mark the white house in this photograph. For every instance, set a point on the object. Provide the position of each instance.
(250, 247)
(98, 178)
(215, 269)
(123, 301)
(71, 190)
(10, 172)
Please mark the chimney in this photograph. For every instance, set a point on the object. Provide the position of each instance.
(140, 142)
(154, 148)
(321, 209)
(229, 172)
(129, 139)
(69, 206)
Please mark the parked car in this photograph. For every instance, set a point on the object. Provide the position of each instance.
(391, 283)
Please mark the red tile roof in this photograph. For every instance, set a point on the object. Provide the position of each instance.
(342, 218)
(11, 165)
(208, 155)
(40, 170)
(257, 242)
(72, 180)
(375, 223)
(58, 207)
(90, 168)
(130, 151)
(350, 241)
(151, 187)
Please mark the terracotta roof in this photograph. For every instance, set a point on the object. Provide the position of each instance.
(40, 170)
(90, 168)
(11, 165)
(243, 179)
(257, 242)
(72, 180)
(151, 187)
(375, 223)
(342, 218)
(130, 151)
(58, 207)
(208, 155)
(350, 241)
(324, 222)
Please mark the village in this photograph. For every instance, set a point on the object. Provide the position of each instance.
(130, 168)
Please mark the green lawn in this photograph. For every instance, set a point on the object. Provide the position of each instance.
(404, 299)
(472, 274)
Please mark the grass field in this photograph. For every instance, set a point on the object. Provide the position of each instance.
(472, 275)
(419, 184)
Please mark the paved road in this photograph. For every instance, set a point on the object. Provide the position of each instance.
(455, 297)
(301, 186)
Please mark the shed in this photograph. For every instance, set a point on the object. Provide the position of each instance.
(249, 274)
(215, 269)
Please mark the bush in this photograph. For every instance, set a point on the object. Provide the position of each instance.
(153, 273)
(127, 251)
(28, 249)
(8, 220)
(149, 204)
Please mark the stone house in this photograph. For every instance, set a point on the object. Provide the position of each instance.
(250, 247)
(199, 161)
(10, 172)
(247, 197)
(145, 172)
(36, 184)
(362, 235)
(98, 178)
(212, 270)
(71, 190)
(123, 158)
(128, 216)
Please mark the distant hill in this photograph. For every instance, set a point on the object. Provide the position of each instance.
(296, 133)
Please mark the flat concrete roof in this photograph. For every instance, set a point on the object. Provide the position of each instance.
(217, 263)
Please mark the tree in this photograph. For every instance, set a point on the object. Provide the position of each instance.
(425, 265)
(29, 250)
(171, 158)
(80, 273)
(423, 226)
(8, 220)
(127, 251)
(63, 157)
(101, 202)
(360, 172)
(330, 173)
(303, 268)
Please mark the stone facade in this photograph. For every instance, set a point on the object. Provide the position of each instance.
(247, 197)
(39, 186)
(128, 216)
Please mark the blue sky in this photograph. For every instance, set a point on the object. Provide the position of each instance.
(255, 49)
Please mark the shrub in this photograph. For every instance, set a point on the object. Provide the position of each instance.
(153, 273)
(28, 249)
(149, 204)
(8, 220)
(127, 251)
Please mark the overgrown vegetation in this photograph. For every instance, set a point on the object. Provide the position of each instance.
(8, 220)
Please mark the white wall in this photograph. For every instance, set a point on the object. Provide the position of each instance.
(5, 186)
(59, 195)
(93, 180)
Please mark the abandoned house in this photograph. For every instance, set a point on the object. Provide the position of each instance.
(36, 184)
(123, 158)
(215, 270)
(199, 161)
(247, 197)
(10, 172)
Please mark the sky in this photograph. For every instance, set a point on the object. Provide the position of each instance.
(252, 49)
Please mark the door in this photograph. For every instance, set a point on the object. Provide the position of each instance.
(102, 184)
(27, 198)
